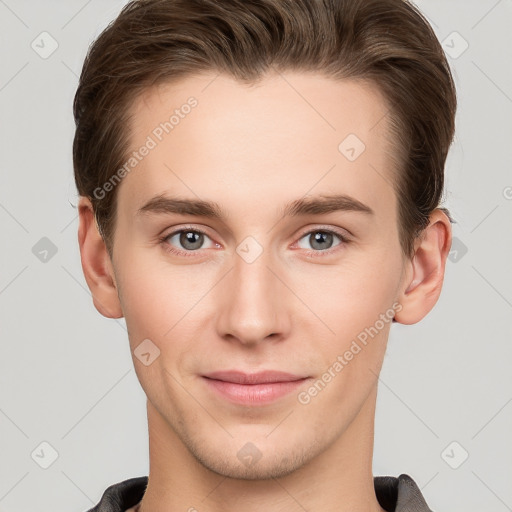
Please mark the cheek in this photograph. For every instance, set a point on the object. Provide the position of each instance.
(155, 309)
(160, 301)
(347, 299)
(358, 309)
(148, 297)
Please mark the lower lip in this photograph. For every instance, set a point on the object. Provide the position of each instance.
(253, 394)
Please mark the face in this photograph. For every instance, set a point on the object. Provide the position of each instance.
(271, 281)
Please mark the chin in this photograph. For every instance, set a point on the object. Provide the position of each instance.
(250, 462)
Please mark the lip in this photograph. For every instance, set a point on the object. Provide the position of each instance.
(263, 377)
(253, 388)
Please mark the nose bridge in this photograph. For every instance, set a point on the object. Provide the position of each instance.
(253, 305)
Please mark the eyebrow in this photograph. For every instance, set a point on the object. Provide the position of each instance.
(317, 205)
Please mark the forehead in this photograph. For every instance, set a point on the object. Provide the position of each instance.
(288, 135)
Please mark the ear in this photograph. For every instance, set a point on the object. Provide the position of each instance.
(424, 273)
(96, 263)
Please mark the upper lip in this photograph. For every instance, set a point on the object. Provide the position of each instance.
(262, 377)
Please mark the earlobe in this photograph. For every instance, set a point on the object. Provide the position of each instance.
(96, 264)
(425, 273)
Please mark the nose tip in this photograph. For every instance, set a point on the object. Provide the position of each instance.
(252, 308)
(251, 325)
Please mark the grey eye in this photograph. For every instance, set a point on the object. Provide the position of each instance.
(319, 240)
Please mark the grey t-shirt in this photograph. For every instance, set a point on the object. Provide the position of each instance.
(395, 494)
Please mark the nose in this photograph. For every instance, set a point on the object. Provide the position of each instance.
(254, 305)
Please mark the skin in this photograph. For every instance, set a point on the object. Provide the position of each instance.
(295, 308)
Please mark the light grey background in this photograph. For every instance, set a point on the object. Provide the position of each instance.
(66, 374)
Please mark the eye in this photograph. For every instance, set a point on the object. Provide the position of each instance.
(185, 241)
(321, 240)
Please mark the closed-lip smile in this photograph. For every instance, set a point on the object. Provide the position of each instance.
(252, 388)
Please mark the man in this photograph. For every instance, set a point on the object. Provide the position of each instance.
(260, 189)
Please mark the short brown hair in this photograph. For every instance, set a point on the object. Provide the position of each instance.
(386, 42)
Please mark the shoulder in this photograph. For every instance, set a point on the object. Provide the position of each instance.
(121, 496)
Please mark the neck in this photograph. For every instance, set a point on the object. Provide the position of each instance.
(340, 479)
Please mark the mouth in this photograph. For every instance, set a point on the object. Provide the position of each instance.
(253, 389)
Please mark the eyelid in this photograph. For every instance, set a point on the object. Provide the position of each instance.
(343, 234)
(184, 228)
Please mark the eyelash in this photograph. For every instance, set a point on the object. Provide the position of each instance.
(169, 248)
